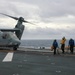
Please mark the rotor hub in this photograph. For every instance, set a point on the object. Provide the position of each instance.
(21, 19)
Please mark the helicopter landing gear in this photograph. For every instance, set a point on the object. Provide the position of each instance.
(14, 48)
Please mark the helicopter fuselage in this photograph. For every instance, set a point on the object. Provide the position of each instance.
(12, 37)
(9, 39)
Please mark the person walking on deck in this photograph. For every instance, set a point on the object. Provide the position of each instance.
(71, 45)
(55, 45)
(63, 44)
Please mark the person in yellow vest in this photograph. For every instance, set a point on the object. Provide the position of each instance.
(63, 44)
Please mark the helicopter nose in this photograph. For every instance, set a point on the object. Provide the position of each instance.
(17, 43)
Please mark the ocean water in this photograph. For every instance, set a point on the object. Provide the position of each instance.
(39, 43)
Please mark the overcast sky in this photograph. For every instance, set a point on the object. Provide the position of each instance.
(53, 18)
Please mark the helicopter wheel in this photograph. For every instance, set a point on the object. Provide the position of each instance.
(14, 48)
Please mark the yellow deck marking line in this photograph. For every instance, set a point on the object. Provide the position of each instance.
(8, 57)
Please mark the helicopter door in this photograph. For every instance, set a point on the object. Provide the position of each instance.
(4, 40)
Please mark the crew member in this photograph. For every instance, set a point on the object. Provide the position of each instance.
(55, 45)
(63, 44)
(71, 45)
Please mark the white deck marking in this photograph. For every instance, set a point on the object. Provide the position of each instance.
(8, 57)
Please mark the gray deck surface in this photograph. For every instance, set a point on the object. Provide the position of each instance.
(38, 63)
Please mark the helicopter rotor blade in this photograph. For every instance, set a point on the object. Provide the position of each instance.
(28, 22)
(16, 18)
(10, 16)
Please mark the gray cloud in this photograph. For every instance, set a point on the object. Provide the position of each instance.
(48, 33)
(48, 8)
(45, 11)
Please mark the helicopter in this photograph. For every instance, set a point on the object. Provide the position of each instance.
(12, 37)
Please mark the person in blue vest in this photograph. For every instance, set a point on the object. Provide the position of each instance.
(71, 45)
(55, 45)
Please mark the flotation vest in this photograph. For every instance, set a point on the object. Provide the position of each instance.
(63, 41)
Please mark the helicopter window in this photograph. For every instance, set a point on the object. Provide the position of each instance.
(14, 36)
(5, 36)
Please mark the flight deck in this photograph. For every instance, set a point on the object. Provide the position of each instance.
(36, 62)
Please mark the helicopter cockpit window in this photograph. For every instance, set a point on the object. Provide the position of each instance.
(5, 36)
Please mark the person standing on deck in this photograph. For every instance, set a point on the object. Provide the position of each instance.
(63, 44)
(71, 45)
(55, 45)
